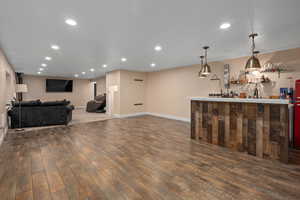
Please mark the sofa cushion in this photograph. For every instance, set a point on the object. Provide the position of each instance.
(28, 103)
(56, 103)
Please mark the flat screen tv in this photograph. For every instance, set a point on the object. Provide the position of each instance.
(57, 85)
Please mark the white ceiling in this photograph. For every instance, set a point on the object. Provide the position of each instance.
(110, 29)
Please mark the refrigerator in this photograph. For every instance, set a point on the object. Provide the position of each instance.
(297, 116)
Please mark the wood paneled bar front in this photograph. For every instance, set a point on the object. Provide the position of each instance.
(259, 127)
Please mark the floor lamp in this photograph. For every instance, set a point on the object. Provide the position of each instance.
(20, 88)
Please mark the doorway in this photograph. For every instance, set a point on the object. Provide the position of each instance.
(95, 90)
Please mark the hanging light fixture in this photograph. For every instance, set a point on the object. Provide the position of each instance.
(253, 63)
(200, 72)
(206, 68)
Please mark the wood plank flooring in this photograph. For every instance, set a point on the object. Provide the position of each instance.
(135, 158)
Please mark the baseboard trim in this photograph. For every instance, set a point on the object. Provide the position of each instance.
(152, 114)
(116, 116)
(5, 129)
(169, 117)
(129, 115)
(80, 107)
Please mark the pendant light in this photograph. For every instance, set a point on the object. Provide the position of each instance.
(206, 68)
(253, 63)
(201, 69)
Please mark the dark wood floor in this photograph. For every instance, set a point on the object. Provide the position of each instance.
(136, 158)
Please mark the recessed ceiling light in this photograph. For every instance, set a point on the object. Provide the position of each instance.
(44, 65)
(76, 75)
(104, 66)
(41, 69)
(225, 25)
(71, 22)
(83, 73)
(153, 64)
(92, 69)
(39, 72)
(55, 47)
(158, 48)
(123, 59)
(48, 58)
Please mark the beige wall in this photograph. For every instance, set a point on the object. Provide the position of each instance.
(132, 92)
(82, 90)
(168, 90)
(7, 91)
(101, 85)
(129, 91)
(289, 58)
(113, 80)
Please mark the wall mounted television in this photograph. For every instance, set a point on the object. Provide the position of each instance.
(58, 85)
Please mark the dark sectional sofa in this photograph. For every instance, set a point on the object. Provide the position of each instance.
(37, 113)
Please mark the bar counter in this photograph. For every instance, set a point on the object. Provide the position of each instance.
(259, 127)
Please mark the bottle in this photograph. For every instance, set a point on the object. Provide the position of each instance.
(255, 95)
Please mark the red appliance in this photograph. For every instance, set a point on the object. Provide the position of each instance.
(297, 115)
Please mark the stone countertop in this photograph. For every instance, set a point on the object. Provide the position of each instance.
(241, 100)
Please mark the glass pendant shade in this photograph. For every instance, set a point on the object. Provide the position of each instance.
(206, 70)
(200, 74)
(253, 63)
